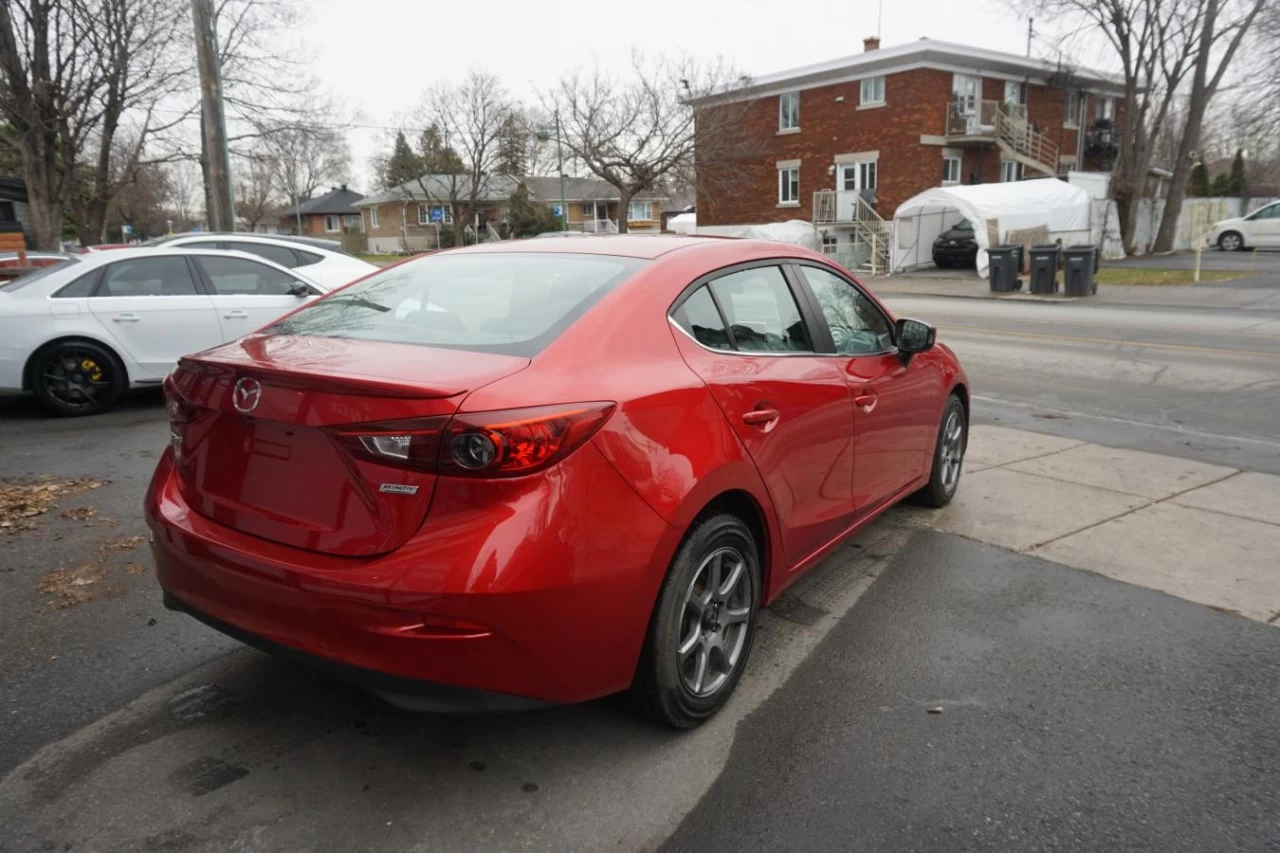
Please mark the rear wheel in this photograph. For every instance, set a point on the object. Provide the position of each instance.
(77, 378)
(1230, 242)
(702, 627)
(948, 456)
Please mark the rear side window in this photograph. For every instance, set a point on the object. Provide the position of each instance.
(507, 302)
(306, 259)
(232, 276)
(281, 255)
(80, 288)
(148, 277)
(36, 275)
(699, 316)
(761, 311)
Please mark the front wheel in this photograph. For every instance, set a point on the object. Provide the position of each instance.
(702, 627)
(1231, 242)
(948, 456)
(77, 378)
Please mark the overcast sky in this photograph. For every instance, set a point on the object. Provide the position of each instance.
(376, 56)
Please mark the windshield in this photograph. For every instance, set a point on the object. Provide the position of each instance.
(36, 275)
(963, 225)
(507, 303)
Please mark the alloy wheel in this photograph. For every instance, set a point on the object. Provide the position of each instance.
(76, 378)
(952, 451)
(714, 622)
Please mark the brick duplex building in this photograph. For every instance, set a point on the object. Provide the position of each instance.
(853, 138)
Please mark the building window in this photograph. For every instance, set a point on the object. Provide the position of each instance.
(1107, 108)
(331, 224)
(440, 213)
(872, 91)
(1008, 171)
(640, 211)
(373, 217)
(789, 111)
(588, 210)
(424, 215)
(867, 175)
(789, 185)
(1072, 113)
(1012, 92)
(951, 170)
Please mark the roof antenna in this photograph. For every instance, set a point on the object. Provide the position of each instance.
(1030, 32)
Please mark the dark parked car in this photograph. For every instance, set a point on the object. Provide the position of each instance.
(956, 246)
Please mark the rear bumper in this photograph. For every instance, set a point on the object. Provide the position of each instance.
(552, 588)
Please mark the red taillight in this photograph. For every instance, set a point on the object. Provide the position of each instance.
(180, 414)
(485, 444)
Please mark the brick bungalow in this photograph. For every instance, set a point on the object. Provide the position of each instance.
(887, 124)
(327, 216)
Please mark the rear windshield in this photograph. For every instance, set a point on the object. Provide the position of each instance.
(508, 303)
(36, 275)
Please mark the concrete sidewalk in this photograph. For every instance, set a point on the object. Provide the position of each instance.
(1253, 293)
(1206, 533)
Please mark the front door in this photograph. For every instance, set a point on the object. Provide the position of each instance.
(152, 308)
(893, 416)
(790, 407)
(1264, 227)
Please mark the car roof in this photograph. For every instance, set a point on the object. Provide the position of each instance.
(288, 239)
(646, 246)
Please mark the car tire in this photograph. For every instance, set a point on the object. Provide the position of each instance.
(948, 456)
(77, 377)
(1231, 241)
(700, 634)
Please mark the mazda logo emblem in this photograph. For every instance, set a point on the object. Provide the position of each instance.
(246, 395)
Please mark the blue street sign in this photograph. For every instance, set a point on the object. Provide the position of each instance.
(557, 210)
(126, 229)
(437, 214)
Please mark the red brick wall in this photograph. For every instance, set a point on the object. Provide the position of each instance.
(915, 104)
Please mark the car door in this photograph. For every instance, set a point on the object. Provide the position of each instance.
(894, 409)
(1264, 228)
(748, 341)
(153, 309)
(248, 294)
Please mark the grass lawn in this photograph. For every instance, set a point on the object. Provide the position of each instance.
(1142, 275)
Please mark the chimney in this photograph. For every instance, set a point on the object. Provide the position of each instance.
(870, 43)
(344, 187)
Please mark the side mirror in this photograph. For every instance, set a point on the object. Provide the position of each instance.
(915, 336)
(299, 289)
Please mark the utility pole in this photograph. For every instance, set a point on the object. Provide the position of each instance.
(218, 196)
(564, 210)
(1030, 32)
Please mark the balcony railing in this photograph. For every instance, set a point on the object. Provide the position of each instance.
(831, 206)
(598, 226)
(1006, 125)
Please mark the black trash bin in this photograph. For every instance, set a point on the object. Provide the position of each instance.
(1078, 264)
(1002, 268)
(1044, 268)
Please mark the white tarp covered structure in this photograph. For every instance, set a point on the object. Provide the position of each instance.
(797, 232)
(683, 223)
(995, 210)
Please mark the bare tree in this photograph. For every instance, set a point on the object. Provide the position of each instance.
(307, 155)
(634, 132)
(256, 187)
(1224, 24)
(466, 121)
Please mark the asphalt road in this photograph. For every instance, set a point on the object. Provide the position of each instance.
(1077, 714)
(1201, 383)
(1261, 262)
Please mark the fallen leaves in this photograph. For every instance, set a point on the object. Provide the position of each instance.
(128, 543)
(80, 513)
(69, 587)
(22, 502)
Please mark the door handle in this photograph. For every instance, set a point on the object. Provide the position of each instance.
(126, 318)
(236, 315)
(865, 401)
(760, 417)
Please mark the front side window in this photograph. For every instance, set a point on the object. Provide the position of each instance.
(233, 276)
(951, 170)
(148, 277)
(1271, 211)
(762, 313)
(331, 224)
(513, 303)
(872, 91)
(699, 316)
(857, 326)
(789, 111)
(640, 211)
(789, 185)
(277, 254)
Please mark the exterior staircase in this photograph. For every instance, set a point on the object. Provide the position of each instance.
(868, 248)
(1007, 126)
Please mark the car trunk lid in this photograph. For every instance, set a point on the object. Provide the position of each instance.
(265, 429)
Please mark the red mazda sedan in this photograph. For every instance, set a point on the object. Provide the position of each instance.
(532, 473)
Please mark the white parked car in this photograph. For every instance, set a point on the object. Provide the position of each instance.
(1258, 230)
(315, 258)
(80, 333)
